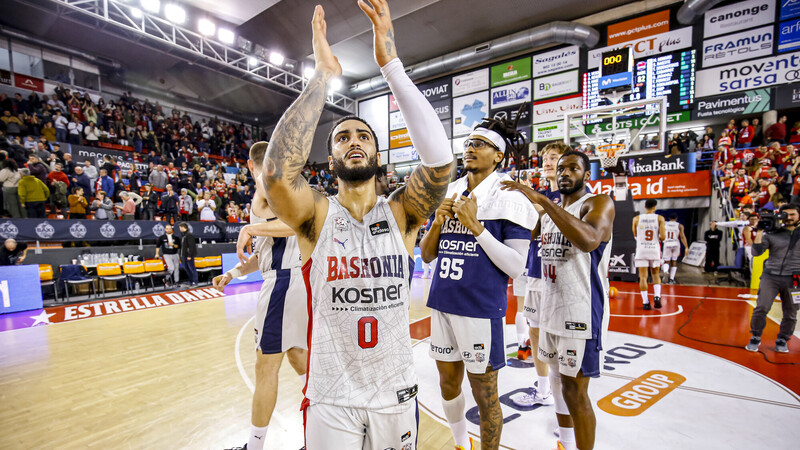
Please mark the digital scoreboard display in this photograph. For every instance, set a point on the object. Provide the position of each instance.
(616, 61)
(671, 75)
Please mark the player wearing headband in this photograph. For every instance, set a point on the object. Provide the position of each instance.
(480, 235)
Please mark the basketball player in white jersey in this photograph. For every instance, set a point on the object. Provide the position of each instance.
(281, 316)
(648, 229)
(576, 245)
(542, 393)
(672, 245)
(356, 249)
(480, 235)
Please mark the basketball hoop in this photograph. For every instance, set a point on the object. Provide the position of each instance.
(609, 154)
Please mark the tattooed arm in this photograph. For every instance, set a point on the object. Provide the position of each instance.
(428, 183)
(288, 193)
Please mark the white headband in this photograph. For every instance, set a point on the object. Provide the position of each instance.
(493, 137)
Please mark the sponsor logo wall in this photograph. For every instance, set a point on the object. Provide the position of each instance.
(512, 94)
(639, 27)
(399, 138)
(404, 154)
(789, 36)
(29, 230)
(648, 46)
(468, 111)
(738, 46)
(747, 102)
(789, 9)
(637, 122)
(82, 153)
(552, 131)
(555, 109)
(653, 165)
(738, 16)
(749, 75)
(28, 82)
(436, 90)
(555, 85)
(678, 185)
(511, 72)
(556, 61)
(468, 83)
(510, 114)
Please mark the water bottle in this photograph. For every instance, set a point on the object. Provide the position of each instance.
(137, 287)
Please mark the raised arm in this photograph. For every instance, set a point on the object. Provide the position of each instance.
(427, 185)
(288, 193)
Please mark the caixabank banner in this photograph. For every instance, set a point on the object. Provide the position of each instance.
(662, 176)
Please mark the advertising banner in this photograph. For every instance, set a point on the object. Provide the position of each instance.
(787, 96)
(404, 154)
(393, 106)
(790, 9)
(5, 77)
(555, 85)
(553, 110)
(789, 36)
(648, 46)
(512, 94)
(399, 138)
(551, 132)
(442, 108)
(556, 61)
(468, 83)
(81, 153)
(653, 165)
(28, 82)
(677, 185)
(740, 103)
(738, 16)
(696, 254)
(511, 72)
(469, 111)
(28, 230)
(639, 27)
(510, 114)
(19, 288)
(738, 46)
(749, 75)
(396, 121)
(436, 90)
(636, 122)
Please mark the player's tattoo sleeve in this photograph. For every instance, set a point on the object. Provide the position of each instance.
(291, 144)
(424, 193)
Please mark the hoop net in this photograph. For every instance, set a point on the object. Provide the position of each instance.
(609, 154)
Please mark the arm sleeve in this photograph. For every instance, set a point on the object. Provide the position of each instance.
(759, 249)
(509, 256)
(424, 127)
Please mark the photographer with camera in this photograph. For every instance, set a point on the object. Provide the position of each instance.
(781, 275)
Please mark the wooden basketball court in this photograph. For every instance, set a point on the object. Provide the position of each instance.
(181, 376)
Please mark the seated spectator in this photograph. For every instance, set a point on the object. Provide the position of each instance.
(33, 194)
(102, 206)
(13, 253)
(13, 124)
(77, 203)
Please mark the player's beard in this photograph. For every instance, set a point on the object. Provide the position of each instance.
(568, 191)
(356, 174)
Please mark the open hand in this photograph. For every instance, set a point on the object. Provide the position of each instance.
(326, 63)
(519, 187)
(382, 29)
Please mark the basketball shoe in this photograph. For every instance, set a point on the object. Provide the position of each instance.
(535, 398)
(471, 445)
(524, 353)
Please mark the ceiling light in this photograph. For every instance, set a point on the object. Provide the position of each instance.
(175, 13)
(151, 5)
(308, 72)
(276, 58)
(336, 84)
(136, 13)
(253, 61)
(226, 36)
(206, 27)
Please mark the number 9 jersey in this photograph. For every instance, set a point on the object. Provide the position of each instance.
(358, 280)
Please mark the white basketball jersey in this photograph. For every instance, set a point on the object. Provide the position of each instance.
(575, 283)
(648, 246)
(673, 230)
(358, 280)
(275, 253)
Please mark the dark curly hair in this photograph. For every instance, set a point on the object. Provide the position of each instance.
(515, 141)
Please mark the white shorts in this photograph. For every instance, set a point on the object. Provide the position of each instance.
(671, 252)
(570, 354)
(647, 262)
(282, 312)
(476, 341)
(520, 286)
(533, 302)
(344, 428)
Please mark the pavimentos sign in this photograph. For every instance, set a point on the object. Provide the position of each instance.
(736, 104)
(647, 46)
(748, 75)
(738, 16)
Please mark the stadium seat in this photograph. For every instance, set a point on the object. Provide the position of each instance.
(110, 272)
(208, 264)
(739, 266)
(136, 269)
(155, 267)
(46, 278)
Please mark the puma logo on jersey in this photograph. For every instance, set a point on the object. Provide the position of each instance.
(340, 242)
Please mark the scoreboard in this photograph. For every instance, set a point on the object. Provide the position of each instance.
(671, 75)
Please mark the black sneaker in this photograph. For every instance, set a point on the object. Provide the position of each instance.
(657, 302)
(647, 307)
(752, 346)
